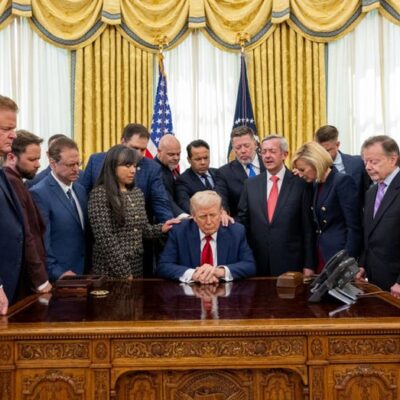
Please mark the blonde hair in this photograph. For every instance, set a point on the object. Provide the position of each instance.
(315, 155)
(205, 198)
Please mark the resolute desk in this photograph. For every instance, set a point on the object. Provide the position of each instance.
(153, 339)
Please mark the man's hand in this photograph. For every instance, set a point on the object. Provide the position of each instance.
(67, 273)
(46, 289)
(3, 302)
(307, 272)
(361, 275)
(226, 219)
(205, 274)
(395, 290)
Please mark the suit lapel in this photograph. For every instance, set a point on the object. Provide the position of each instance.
(222, 247)
(391, 194)
(261, 192)
(239, 170)
(194, 238)
(326, 189)
(8, 192)
(62, 197)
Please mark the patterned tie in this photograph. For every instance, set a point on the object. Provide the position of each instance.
(251, 171)
(207, 182)
(273, 197)
(379, 196)
(206, 254)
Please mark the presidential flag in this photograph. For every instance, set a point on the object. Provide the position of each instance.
(244, 110)
(162, 118)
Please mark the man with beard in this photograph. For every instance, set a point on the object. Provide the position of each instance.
(23, 163)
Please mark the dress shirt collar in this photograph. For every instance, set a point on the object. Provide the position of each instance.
(203, 235)
(280, 174)
(388, 180)
(63, 186)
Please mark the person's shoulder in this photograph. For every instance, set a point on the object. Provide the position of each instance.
(147, 163)
(236, 229)
(226, 168)
(43, 184)
(97, 157)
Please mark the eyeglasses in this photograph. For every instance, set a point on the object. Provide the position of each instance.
(71, 165)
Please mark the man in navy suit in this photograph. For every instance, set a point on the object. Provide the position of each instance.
(168, 156)
(275, 208)
(148, 173)
(63, 204)
(381, 258)
(196, 178)
(11, 219)
(328, 137)
(248, 163)
(201, 250)
(42, 174)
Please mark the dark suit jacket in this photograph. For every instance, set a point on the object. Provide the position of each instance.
(182, 251)
(34, 260)
(230, 181)
(169, 183)
(11, 238)
(336, 211)
(381, 257)
(188, 184)
(287, 243)
(42, 174)
(65, 240)
(148, 179)
(354, 166)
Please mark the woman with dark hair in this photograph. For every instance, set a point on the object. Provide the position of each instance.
(118, 217)
(336, 205)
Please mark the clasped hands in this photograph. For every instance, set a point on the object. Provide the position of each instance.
(207, 274)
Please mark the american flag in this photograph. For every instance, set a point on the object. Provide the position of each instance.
(244, 110)
(162, 118)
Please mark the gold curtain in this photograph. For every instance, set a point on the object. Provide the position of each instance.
(287, 86)
(74, 24)
(113, 86)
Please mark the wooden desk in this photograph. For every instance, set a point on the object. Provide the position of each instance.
(149, 340)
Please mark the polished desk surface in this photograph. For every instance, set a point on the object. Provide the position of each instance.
(160, 300)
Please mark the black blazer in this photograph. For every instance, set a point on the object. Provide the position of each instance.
(287, 243)
(11, 238)
(188, 184)
(169, 183)
(381, 257)
(336, 211)
(231, 178)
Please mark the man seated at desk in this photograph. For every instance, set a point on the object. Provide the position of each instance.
(201, 250)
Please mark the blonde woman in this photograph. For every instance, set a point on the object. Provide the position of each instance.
(336, 205)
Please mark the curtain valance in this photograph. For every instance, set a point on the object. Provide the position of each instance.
(147, 23)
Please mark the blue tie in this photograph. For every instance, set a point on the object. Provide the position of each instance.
(251, 170)
(73, 204)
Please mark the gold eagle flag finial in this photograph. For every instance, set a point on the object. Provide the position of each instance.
(161, 41)
(242, 38)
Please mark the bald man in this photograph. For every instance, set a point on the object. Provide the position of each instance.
(168, 156)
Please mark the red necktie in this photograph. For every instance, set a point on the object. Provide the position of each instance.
(206, 253)
(273, 197)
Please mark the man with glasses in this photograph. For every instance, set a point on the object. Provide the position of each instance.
(63, 204)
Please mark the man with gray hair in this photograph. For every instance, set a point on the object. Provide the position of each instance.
(275, 208)
(381, 259)
(201, 250)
